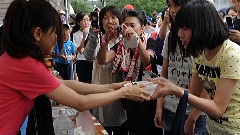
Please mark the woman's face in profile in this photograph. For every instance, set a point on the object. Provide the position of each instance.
(47, 41)
(173, 8)
(134, 23)
(185, 35)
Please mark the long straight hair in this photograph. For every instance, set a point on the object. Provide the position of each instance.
(21, 18)
(173, 39)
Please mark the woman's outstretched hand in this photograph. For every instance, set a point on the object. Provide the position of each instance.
(165, 87)
(136, 92)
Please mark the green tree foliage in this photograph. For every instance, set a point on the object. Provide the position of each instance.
(81, 5)
(147, 6)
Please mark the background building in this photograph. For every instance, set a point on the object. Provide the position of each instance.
(219, 4)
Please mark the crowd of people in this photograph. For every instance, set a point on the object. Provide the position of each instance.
(87, 66)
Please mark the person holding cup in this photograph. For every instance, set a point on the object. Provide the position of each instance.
(215, 74)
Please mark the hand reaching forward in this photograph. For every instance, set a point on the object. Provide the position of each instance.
(136, 93)
(116, 86)
(165, 87)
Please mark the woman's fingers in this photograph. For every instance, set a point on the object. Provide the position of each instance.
(137, 93)
(159, 90)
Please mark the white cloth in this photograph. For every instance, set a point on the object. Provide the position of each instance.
(179, 72)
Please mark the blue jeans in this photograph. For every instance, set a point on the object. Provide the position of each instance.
(200, 125)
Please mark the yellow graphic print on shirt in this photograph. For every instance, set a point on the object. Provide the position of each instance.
(225, 64)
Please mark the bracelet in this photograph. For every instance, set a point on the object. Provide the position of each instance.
(185, 95)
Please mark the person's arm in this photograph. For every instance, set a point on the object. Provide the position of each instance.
(104, 55)
(82, 43)
(74, 55)
(192, 118)
(195, 89)
(55, 55)
(73, 52)
(66, 96)
(218, 105)
(158, 119)
(214, 108)
(144, 53)
(165, 26)
(58, 56)
(85, 88)
(164, 72)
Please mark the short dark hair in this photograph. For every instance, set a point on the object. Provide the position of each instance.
(178, 2)
(21, 17)
(114, 10)
(80, 16)
(154, 13)
(208, 30)
(140, 15)
(233, 8)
